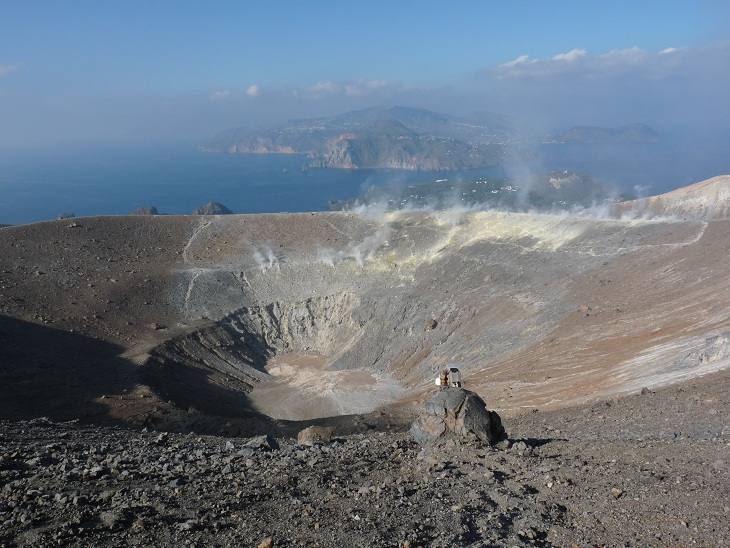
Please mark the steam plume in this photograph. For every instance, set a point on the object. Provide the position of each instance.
(359, 252)
(266, 259)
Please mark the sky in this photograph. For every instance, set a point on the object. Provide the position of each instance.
(107, 71)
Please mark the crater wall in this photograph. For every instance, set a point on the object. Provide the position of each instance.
(532, 307)
(537, 310)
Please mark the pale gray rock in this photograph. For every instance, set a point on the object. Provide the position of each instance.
(315, 435)
(265, 443)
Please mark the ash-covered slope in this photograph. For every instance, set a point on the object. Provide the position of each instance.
(537, 309)
(310, 315)
(708, 199)
(232, 324)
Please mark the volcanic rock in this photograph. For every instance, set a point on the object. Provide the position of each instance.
(460, 412)
(315, 435)
(255, 307)
(264, 443)
(212, 208)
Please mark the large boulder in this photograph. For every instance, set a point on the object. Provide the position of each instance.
(315, 435)
(457, 412)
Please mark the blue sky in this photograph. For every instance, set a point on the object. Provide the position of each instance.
(109, 71)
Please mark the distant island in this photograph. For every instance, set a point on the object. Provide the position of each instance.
(382, 137)
(390, 144)
(634, 133)
(406, 138)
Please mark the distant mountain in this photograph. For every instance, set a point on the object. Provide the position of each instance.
(634, 133)
(301, 139)
(406, 138)
(395, 137)
(390, 144)
(481, 127)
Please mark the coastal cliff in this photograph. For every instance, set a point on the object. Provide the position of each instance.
(389, 144)
(407, 138)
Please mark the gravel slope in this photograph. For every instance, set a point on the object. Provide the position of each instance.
(645, 470)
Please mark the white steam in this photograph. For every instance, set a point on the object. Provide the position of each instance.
(266, 259)
(328, 256)
(360, 252)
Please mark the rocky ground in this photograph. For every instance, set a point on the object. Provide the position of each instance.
(543, 315)
(650, 469)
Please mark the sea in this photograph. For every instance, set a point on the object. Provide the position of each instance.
(41, 184)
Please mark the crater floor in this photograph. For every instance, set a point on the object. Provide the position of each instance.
(302, 389)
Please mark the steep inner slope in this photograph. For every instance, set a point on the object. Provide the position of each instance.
(313, 315)
(536, 310)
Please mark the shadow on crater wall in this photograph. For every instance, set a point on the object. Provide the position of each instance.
(210, 370)
(214, 368)
(46, 372)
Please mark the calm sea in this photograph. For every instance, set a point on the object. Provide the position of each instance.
(37, 186)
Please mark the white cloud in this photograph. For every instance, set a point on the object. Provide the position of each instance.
(325, 87)
(376, 84)
(572, 55)
(7, 69)
(624, 56)
(363, 87)
(219, 95)
(520, 60)
(672, 86)
(253, 90)
(576, 63)
(357, 88)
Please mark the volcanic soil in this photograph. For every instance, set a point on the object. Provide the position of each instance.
(154, 374)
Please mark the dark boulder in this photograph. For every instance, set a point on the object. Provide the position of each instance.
(457, 412)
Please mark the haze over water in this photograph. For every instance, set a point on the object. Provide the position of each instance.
(140, 73)
(176, 179)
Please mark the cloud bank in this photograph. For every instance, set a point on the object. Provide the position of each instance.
(676, 87)
(578, 64)
(358, 88)
(672, 87)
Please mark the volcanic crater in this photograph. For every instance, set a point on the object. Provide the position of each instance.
(155, 372)
(297, 317)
